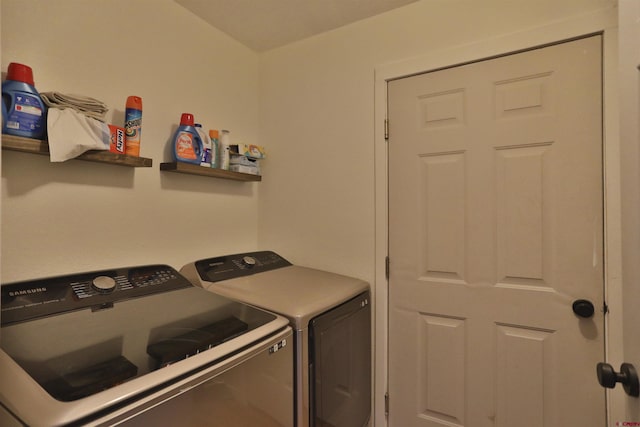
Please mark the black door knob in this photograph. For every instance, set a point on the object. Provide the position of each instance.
(583, 308)
(627, 376)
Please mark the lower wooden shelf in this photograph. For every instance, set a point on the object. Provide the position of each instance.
(36, 146)
(188, 168)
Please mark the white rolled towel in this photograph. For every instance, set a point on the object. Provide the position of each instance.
(83, 104)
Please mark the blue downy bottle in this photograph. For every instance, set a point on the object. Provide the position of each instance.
(24, 113)
(187, 145)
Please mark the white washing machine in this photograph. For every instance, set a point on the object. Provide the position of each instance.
(140, 346)
(331, 318)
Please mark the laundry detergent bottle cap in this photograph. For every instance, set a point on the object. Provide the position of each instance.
(20, 73)
(187, 144)
(24, 113)
(186, 119)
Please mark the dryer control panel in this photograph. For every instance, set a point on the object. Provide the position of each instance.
(239, 265)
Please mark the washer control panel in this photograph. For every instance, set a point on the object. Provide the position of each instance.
(124, 282)
(239, 265)
(96, 290)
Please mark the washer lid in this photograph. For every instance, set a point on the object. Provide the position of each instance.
(83, 341)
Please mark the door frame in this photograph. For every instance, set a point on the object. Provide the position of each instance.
(604, 22)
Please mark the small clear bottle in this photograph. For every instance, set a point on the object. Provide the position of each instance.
(225, 142)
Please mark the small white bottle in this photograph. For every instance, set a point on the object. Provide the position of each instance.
(205, 156)
(225, 142)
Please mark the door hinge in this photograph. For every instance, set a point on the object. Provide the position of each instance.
(605, 307)
(386, 130)
(386, 267)
(386, 404)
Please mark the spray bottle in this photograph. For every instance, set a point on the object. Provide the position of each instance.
(133, 125)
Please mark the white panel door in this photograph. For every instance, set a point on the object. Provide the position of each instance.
(495, 229)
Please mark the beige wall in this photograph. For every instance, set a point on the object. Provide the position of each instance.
(76, 216)
(316, 205)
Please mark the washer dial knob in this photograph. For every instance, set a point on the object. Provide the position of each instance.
(104, 284)
(248, 261)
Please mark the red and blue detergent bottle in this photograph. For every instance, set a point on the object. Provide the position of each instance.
(187, 145)
(23, 112)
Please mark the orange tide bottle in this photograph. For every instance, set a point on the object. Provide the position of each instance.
(133, 125)
(187, 145)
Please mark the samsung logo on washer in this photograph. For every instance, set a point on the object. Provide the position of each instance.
(27, 292)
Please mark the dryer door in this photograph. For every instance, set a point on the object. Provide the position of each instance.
(340, 365)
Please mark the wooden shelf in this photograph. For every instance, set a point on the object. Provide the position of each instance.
(36, 146)
(188, 168)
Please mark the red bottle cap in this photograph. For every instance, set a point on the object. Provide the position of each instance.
(20, 73)
(134, 102)
(186, 119)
